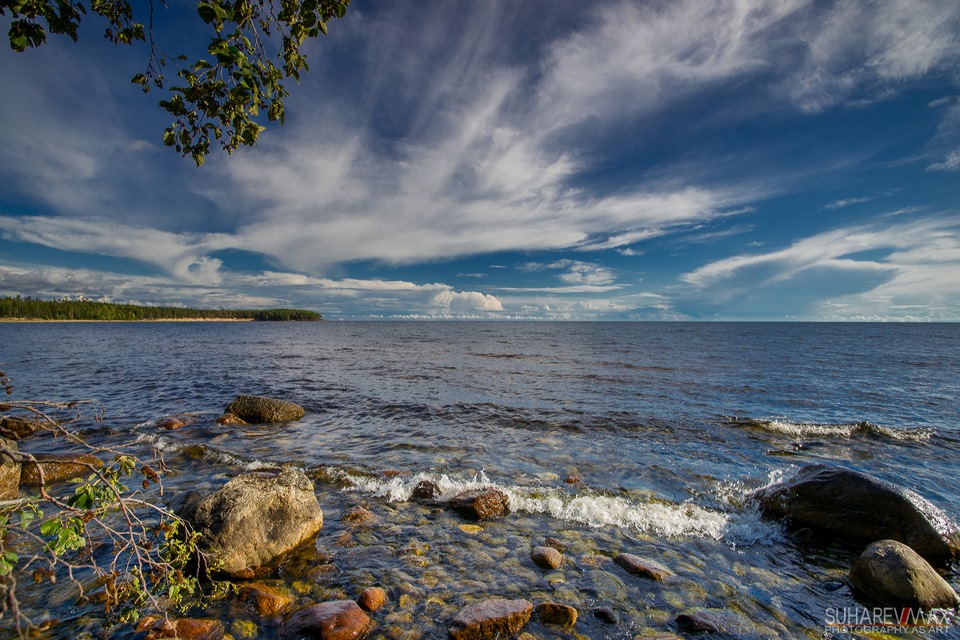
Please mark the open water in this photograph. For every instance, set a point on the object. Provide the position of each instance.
(644, 438)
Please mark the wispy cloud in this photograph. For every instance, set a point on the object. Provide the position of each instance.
(915, 263)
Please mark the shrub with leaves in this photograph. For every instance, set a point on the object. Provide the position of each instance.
(108, 536)
(218, 96)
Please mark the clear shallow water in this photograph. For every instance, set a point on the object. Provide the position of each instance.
(667, 426)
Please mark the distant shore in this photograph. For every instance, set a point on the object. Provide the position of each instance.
(144, 320)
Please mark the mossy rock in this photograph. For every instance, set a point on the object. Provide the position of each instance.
(57, 467)
(260, 409)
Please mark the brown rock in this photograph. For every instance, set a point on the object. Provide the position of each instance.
(228, 419)
(9, 470)
(57, 467)
(643, 567)
(372, 598)
(426, 490)
(490, 619)
(258, 409)
(358, 515)
(196, 629)
(553, 543)
(558, 614)
(546, 557)
(481, 504)
(16, 428)
(171, 423)
(335, 620)
(265, 599)
(893, 574)
(184, 629)
(255, 520)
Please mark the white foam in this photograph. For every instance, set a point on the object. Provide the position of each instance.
(807, 430)
(589, 508)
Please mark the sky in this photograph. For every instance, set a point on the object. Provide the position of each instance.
(558, 160)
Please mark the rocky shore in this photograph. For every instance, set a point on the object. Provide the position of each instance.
(265, 531)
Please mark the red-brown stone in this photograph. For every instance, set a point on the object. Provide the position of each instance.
(335, 620)
(372, 598)
(481, 504)
(490, 619)
(643, 567)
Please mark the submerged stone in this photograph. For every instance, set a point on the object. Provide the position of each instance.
(57, 467)
(546, 557)
(335, 620)
(493, 618)
(643, 567)
(559, 614)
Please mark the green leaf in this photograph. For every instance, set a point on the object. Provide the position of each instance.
(50, 528)
(26, 517)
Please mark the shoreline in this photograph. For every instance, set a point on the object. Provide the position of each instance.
(144, 320)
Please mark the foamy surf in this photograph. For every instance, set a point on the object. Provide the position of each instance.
(843, 430)
(589, 508)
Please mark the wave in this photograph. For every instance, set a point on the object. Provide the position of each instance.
(843, 430)
(588, 507)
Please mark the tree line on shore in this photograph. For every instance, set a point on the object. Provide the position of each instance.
(36, 309)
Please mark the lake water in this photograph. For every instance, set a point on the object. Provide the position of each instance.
(666, 429)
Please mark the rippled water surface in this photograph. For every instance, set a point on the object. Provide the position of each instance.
(643, 438)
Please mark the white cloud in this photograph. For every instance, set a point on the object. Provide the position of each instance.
(182, 255)
(950, 163)
(465, 301)
(914, 264)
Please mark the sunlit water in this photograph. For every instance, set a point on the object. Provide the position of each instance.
(667, 428)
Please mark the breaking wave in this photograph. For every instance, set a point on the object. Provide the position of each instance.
(656, 517)
(817, 430)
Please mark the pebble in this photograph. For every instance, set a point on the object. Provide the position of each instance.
(559, 614)
(372, 599)
(643, 567)
(605, 615)
(546, 557)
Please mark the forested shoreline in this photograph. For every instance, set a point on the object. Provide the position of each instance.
(35, 309)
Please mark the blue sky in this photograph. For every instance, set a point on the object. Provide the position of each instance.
(682, 159)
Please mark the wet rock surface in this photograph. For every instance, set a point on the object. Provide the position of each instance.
(557, 614)
(335, 620)
(372, 599)
(490, 619)
(643, 567)
(57, 467)
(893, 574)
(855, 506)
(9, 470)
(481, 504)
(260, 409)
(255, 520)
(546, 557)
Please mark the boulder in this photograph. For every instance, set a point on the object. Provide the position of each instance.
(335, 620)
(559, 614)
(255, 520)
(16, 428)
(57, 467)
(258, 409)
(643, 567)
(9, 470)
(372, 599)
(265, 599)
(493, 618)
(546, 557)
(860, 508)
(480, 504)
(893, 574)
